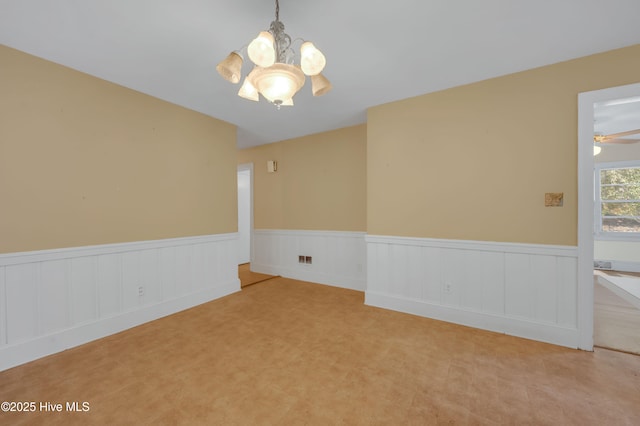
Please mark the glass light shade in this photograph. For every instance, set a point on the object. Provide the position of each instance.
(230, 68)
(261, 50)
(279, 82)
(320, 85)
(247, 90)
(312, 60)
(288, 102)
(596, 150)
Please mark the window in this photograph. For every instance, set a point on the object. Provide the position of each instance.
(617, 199)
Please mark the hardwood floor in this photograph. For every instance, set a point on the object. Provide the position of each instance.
(290, 352)
(248, 277)
(616, 321)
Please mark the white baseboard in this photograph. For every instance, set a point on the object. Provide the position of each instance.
(30, 350)
(338, 258)
(526, 290)
(314, 277)
(549, 333)
(52, 300)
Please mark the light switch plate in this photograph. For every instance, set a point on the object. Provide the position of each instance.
(553, 199)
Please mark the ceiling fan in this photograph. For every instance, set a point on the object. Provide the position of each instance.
(616, 137)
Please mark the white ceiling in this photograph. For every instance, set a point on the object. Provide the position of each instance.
(376, 51)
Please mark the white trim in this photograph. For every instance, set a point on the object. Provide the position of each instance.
(621, 237)
(626, 266)
(18, 258)
(339, 257)
(545, 249)
(20, 353)
(3, 308)
(312, 277)
(586, 203)
(514, 326)
(42, 292)
(626, 164)
(526, 290)
(241, 167)
(597, 211)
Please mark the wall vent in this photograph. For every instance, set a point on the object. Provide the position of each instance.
(602, 264)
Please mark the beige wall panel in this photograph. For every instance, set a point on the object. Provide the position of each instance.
(474, 162)
(267, 187)
(84, 161)
(320, 183)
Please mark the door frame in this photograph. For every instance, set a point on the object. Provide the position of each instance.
(586, 101)
(249, 167)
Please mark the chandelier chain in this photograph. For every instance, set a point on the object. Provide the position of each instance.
(277, 10)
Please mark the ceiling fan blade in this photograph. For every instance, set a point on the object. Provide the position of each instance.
(600, 138)
(620, 141)
(621, 134)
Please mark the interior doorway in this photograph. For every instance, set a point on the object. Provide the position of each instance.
(245, 212)
(586, 115)
(616, 250)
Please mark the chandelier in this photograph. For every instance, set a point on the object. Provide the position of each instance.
(275, 76)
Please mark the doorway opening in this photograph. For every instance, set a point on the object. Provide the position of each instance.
(245, 212)
(245, 228)
(587, 103)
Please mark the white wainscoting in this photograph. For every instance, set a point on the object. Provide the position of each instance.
(52, 300)
(339, 258)
(523, 290)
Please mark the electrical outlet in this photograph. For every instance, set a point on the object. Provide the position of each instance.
(308, 260)
(140, 291)
(300, 259)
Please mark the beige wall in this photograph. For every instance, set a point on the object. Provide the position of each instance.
(84, 161)
(320, 183)
(474, 162)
